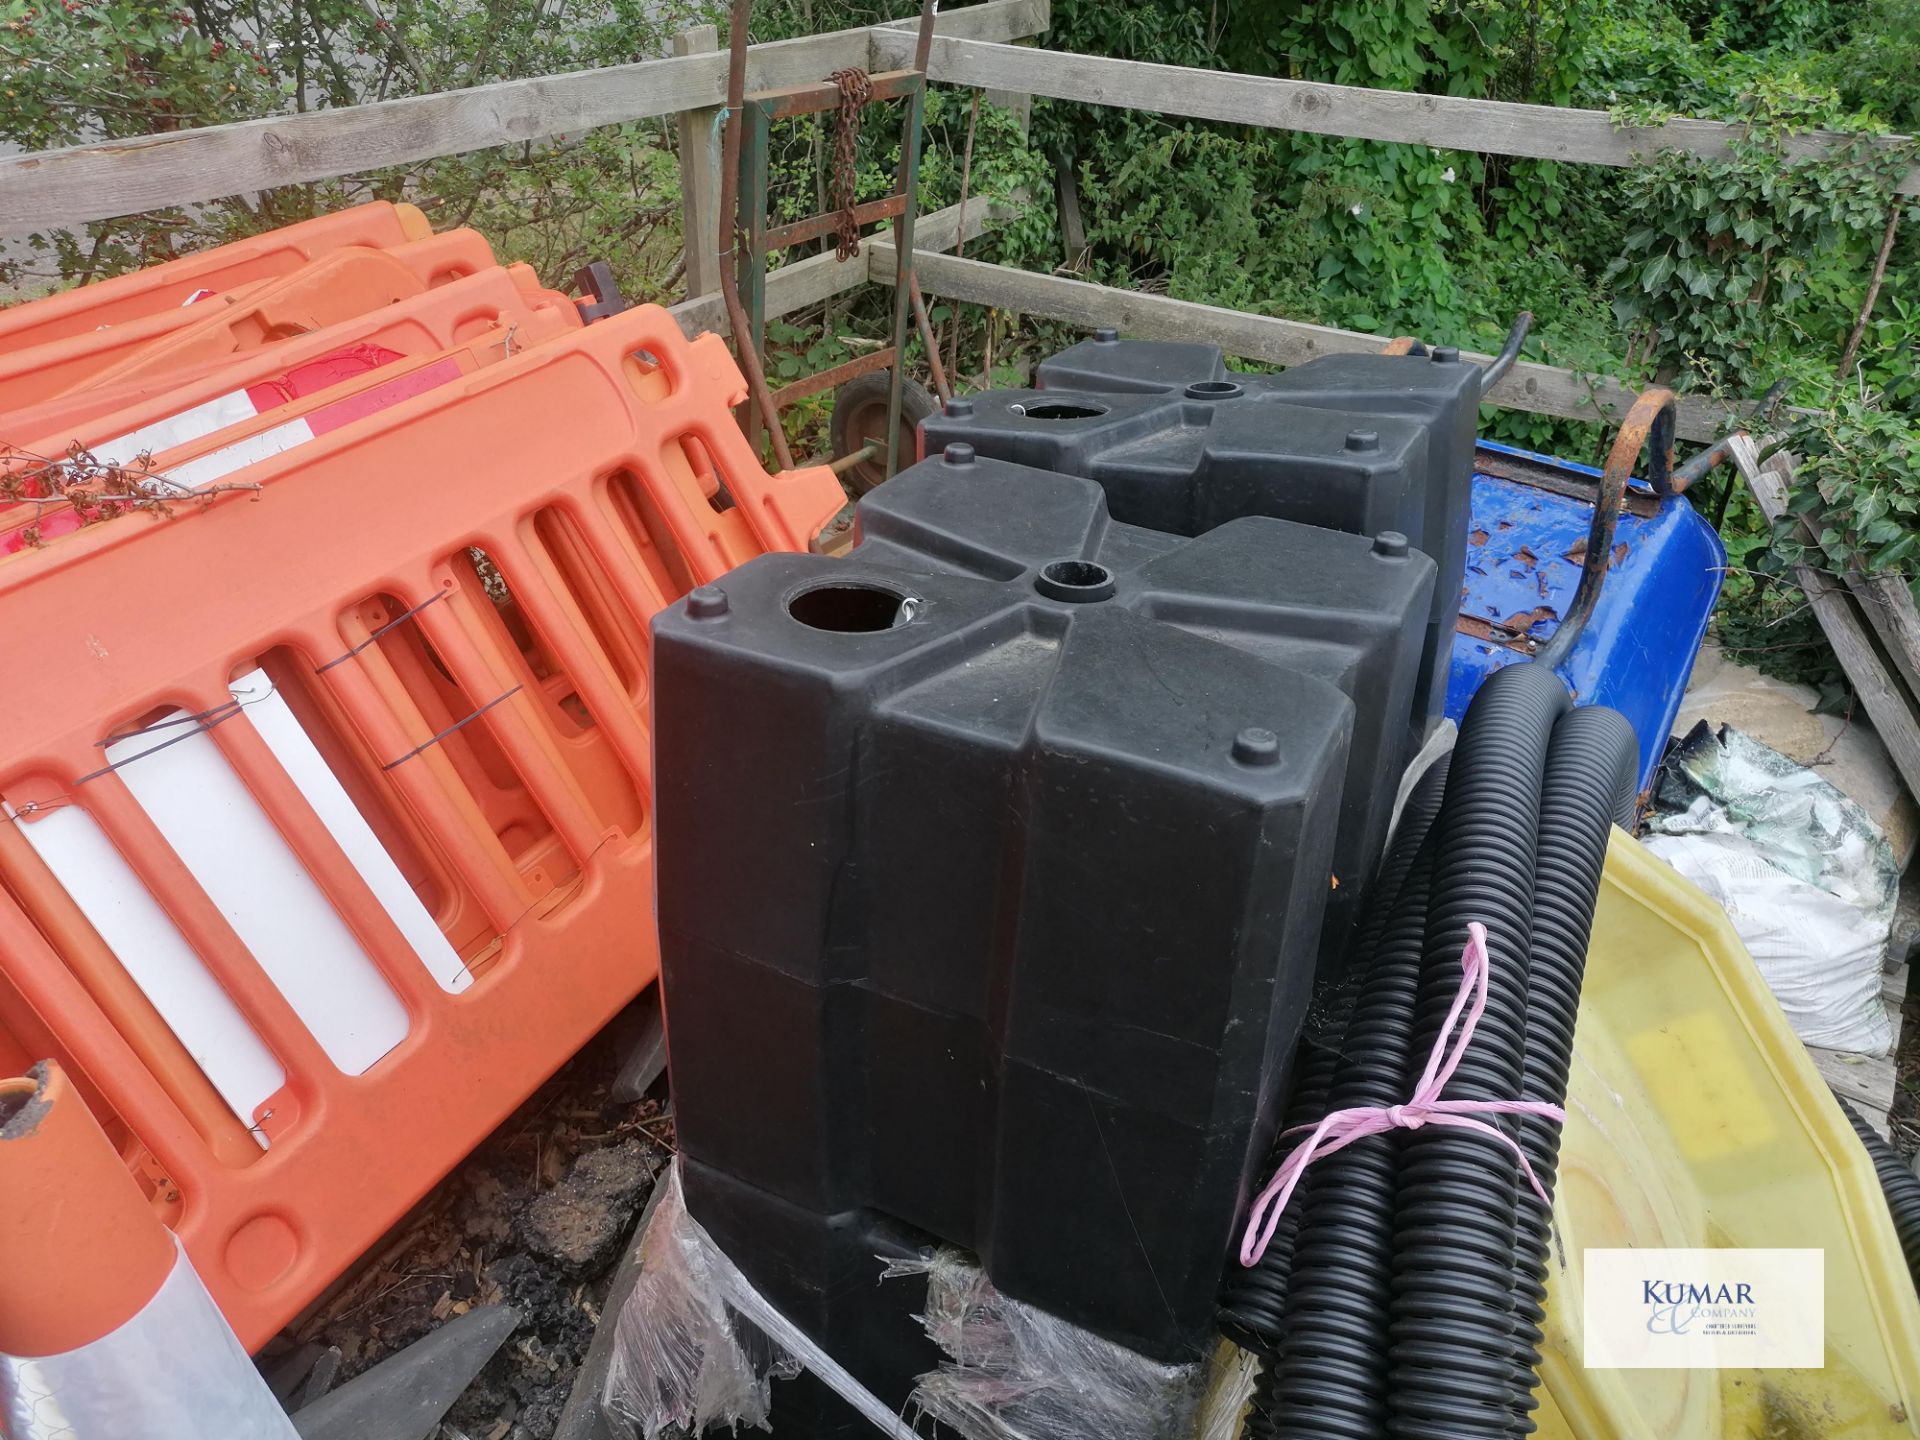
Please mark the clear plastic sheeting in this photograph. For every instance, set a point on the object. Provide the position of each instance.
(696, 1347)
(1018, 1373)
(1804, 874)
(174, 1371)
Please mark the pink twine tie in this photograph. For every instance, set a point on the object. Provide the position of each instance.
(1341, 1128)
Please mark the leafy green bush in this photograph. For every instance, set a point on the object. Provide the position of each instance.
(1736, 254)
(83, 71)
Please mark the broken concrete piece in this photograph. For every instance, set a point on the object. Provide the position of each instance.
(405, 1395)
(285, 1373)
(580, 1223)
(583, 1419)
(326, 1369)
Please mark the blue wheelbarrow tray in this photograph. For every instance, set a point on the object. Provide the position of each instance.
(1526, 547)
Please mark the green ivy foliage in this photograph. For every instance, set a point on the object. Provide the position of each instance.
(1732, 251)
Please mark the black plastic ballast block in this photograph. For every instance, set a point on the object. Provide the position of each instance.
(992, 860)
(1360, 443)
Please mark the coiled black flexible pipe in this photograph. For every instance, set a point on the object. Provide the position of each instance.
(1451, 1351)
(1901, 1185)
(1253, 1299)
(1588, 787)
(1329, 1376)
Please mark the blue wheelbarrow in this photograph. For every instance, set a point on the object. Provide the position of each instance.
(1608, 578)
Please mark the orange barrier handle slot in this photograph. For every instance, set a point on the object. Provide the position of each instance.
(120, 1000)
(327, 863)
(562, 629)
(619, 555)
(514, 722)
(373, 697)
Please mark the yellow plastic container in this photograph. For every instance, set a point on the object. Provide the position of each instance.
(1695, 1119)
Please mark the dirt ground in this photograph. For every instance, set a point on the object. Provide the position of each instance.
(536, 1217)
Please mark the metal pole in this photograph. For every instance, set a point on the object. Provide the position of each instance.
(743, 344)
(903, 285)
(938, 371)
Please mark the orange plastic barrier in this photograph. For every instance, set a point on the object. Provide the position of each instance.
(71, 412)
(330, 803)
(333, 288)
(33, 373)
(132, 410)
(224, 268)
(191, 451)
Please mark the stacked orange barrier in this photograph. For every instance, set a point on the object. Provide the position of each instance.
(501, 299)
(325, 778)
(179, 282)
(336, 287)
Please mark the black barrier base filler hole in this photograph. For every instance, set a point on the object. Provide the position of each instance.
(1063, 410)
(1213, 390)
(1075, 580)
(849, 609)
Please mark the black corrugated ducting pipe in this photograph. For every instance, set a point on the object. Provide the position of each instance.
(1329, 1374)
(1396, 1306)
(1587, 790)
(1253, 1299)
(1451, 1348)
(1901, 1185)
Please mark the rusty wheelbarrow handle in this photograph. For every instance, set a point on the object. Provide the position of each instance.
(1700, 464)
(1648, 427)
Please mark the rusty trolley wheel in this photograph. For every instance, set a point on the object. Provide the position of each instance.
(860, 419)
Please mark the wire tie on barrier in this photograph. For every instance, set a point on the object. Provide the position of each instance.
(196, 718)
(1340, 1128)
(457, 725)
(202, 722)
(400, 619)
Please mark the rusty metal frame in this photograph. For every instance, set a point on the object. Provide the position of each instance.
(783, 237)
(1556, 481)
(743, 208)
(1648, 428)
(834, 376)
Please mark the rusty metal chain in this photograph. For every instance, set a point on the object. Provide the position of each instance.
(856, 88)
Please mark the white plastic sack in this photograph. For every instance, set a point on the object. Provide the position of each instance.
(1818, 954)
(1803, 872)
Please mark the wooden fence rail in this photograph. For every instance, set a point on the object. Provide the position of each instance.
(82, 183)
(96, 182)
(125, 177)
(1446, 122)
(1540, 389)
